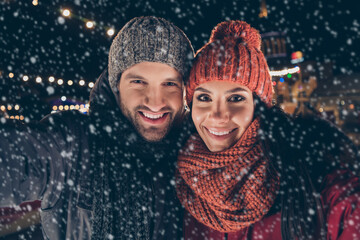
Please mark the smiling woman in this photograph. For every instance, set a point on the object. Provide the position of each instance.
(252, 172)
(221, 112)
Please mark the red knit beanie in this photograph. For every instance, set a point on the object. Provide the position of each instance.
(232, 54)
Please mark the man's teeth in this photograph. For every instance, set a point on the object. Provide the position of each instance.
(153, 116)
(219, 133)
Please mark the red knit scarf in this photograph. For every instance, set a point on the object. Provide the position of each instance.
(227, 190)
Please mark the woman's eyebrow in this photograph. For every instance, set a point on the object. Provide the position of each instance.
(238, 89)
(202, 90)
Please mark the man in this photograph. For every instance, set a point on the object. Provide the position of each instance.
(108, 174)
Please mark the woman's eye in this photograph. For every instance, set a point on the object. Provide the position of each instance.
(236, 98)
(203, 98)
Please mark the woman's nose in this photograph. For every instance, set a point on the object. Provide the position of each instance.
(219, 112)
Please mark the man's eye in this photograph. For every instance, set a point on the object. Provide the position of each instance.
(170, 84)
(203, 98)
(137, 81)
(236, 98)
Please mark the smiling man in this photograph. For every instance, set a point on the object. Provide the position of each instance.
(109, 174)
(151, 97)
(148, 80)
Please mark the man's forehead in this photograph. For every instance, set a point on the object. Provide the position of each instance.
(146, 70)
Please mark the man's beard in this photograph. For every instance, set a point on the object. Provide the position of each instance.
(151, 134)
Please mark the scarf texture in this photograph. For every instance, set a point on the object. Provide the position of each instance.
(129, 186)
(133, 194)
(227, 190)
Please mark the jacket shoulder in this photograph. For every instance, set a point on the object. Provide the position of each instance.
(330, 142)
(317, 142)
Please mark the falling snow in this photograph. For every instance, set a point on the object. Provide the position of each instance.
(39, 41)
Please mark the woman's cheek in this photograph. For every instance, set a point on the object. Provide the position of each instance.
(199, 113)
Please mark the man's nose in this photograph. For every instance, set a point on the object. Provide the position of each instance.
(155, 99)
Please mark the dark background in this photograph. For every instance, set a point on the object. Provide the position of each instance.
(38, 41)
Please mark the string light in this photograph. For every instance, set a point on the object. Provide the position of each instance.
(17, 117)
(82, 82)
(285, 72)
(35, 2)
(90, 24)
(63, 98)
(110, 32)
(52, 79)
(9, 107)
(66, 12)
(81, 107)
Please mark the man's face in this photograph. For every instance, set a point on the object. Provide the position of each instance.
(151, 98)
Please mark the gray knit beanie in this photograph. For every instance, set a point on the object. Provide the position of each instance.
(149, 39)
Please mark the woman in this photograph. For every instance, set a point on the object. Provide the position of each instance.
(251, 171)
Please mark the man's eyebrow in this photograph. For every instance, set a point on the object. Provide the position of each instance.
(175, 79)
(133, 76)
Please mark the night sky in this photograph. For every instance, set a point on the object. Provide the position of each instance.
(39, 41)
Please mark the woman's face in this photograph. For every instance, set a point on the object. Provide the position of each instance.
(221, 112)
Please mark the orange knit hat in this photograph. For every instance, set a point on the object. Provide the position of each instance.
(232, 54)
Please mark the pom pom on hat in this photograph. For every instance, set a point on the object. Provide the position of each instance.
(236, 30)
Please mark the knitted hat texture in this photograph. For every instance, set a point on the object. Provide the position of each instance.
(232, 54)
(149, 39)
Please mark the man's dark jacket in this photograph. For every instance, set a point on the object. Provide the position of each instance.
(92, 168)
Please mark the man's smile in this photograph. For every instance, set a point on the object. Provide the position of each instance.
(154, 118)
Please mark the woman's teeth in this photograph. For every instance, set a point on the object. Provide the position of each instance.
(219, 133)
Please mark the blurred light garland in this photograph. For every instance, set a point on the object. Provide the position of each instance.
(52, 79)
(9, 107)
(90, 24)
(285, 72)
(17, 117)
(81, 107)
